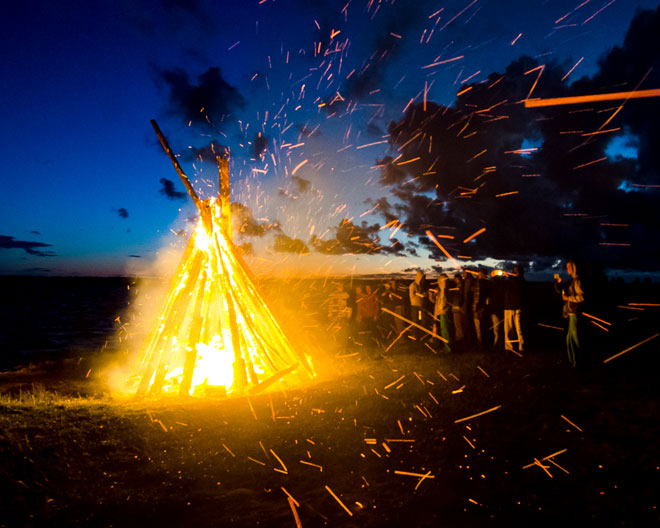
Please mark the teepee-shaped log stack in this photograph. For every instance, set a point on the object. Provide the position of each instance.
(214, 332)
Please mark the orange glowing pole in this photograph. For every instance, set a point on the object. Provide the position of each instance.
(195, 333)
(225, 201)
(556, 101)
(179, 316)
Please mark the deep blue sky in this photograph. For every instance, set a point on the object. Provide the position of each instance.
(80, 169)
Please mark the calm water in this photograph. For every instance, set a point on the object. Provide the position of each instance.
(52, 318)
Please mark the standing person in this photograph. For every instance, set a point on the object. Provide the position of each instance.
(417, 294)
(339, 314)
(496, 307)
(442, 311)
(513, 299)
(466, 307)
(399, 300)
(368, 312)
(479, 304)
(573, 297)
(456, 300)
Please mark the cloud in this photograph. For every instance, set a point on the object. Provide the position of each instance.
(244, 223)
(206, 104)
(135, 256)
(353, 239)
(459, 169)
(9, 242)
(169, 191)
(123, 213)
(259, 145)
(286, 244)
(37, 270)
(208, 153)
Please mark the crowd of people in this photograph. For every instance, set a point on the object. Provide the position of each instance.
(469, 310)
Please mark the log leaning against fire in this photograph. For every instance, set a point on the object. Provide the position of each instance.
(214, 309)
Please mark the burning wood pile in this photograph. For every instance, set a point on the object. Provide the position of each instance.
(214, 333)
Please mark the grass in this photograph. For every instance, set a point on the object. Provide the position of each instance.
(74, 457)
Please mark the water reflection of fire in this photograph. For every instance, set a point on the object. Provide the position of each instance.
(214, 333)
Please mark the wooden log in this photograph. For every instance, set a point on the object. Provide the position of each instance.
(201, 205)
(180, 312)
(193, 338)
(225, 199)
(150, 343)
(177, 167)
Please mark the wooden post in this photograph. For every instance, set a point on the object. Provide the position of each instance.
(225, 199)
(194, 335)
(202, 206)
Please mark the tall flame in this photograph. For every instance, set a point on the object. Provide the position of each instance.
(215, 333)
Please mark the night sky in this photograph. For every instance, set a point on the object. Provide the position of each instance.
(340, 119)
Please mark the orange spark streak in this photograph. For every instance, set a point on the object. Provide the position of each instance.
(411, 474)
(516, 39)
(295, 512)
(596, 318)
(571, 70)
(630, 348)
(478, 414)
(339, 501)
(601, 131)
(371, 144)
(540, 69)
(298, 166)
(474, 235)
(435, 241)
(506, 194)
(442, 62)
(614, 96)
(590, 163)
(408, 161)
(564, 417)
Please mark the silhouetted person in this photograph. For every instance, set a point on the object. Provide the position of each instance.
(496, 308)
(479, 297)
(513, 309)
(339, 314)
(456, 299)
(367, 312)
(442, 312)
(573, 297)
(417, 294)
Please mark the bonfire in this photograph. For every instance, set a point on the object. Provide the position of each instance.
(214, 334)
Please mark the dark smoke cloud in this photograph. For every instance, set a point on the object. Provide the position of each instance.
(286, 244)
(122, 212)
(460, 169)
(207, 153)
(259, 145)
(206, 104)
(246, 224)
(169, 191)
(352, 239)
(302, 185)
(9, 242)
(135, 256)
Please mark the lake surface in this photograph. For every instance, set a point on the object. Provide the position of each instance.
(55, 317)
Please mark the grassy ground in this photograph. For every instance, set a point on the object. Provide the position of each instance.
(72, 456)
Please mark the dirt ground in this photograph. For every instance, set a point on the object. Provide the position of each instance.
(414, 439)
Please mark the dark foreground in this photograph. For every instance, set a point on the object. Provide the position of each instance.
(89, 461)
